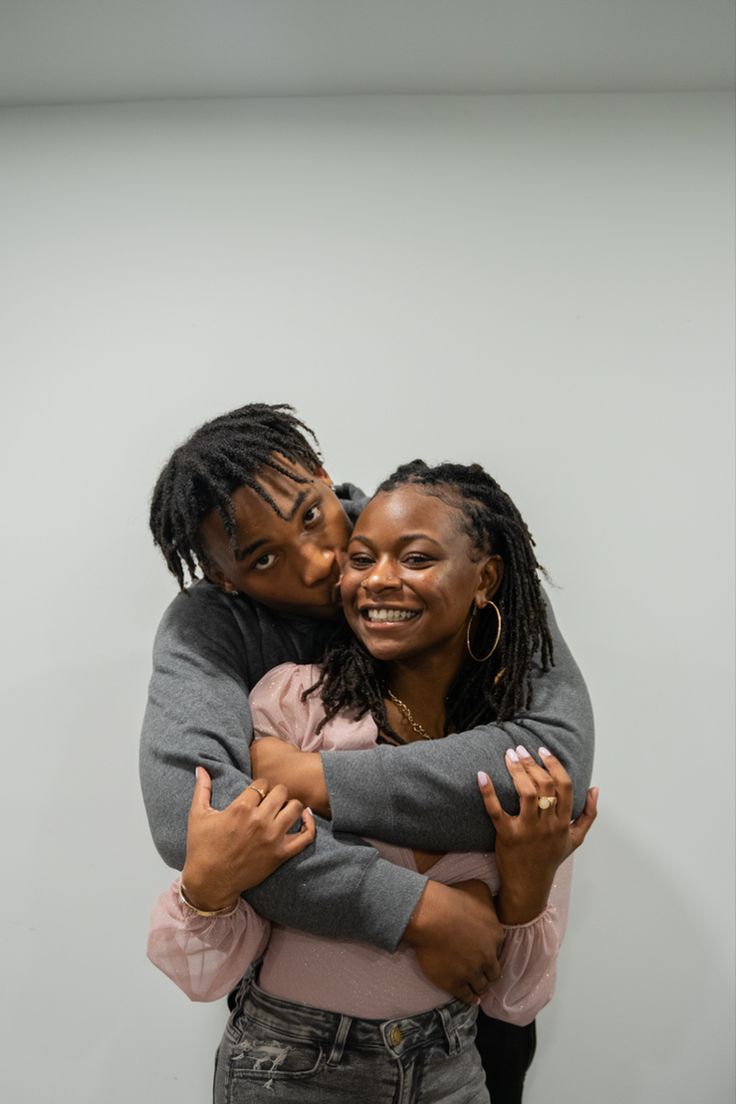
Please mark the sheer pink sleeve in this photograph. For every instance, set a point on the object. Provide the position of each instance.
(529, 959)
(206, 956)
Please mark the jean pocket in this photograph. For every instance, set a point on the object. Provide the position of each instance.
(264, 1053)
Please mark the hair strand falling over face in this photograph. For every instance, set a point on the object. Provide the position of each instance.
(221, 456)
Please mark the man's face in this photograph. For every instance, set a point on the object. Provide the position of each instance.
(289, 563)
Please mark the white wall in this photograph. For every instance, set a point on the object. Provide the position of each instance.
(543, 284)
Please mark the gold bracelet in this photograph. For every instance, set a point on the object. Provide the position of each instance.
(202, 912)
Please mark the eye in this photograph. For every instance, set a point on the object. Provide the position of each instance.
(360, 560)
(312, 515)
(417, 559)
(265, 561)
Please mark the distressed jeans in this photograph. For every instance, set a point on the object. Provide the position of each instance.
(274, 1050)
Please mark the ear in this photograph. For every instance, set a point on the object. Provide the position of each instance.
(216, 576)
(323, 477)
(490, 580)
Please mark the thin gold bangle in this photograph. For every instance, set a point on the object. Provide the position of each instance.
(202, 912)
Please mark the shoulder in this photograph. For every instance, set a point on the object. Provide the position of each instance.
(196, 607)
(278, 706)
(287, 682)
(352, 499)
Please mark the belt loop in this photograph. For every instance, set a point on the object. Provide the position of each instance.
(338, 1045)
(244, 988)
(448, 1024)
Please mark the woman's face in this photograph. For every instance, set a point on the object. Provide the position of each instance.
(411, 576)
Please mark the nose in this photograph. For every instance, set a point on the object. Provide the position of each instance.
(317, 564)
(381, 577)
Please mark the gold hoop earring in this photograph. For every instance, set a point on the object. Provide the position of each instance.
(482, 659)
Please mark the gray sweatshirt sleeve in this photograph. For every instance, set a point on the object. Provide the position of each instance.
(198, 713)
(426, 795)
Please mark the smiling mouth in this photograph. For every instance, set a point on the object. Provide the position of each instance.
(382, 615)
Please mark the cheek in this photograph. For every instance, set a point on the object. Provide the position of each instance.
(338, 527)
(348, 588)
(456, 592)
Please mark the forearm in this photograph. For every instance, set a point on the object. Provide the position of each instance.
(529, 958)
(198, 714)
(342, 890)
(426, 795)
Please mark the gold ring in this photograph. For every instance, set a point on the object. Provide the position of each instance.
(258, 790)
(546, 802)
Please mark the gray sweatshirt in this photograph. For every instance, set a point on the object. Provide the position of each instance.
(212, 648)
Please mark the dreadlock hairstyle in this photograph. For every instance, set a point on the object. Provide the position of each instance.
(498, 688)
(222, 455)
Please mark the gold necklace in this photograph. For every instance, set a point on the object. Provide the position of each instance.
(409, 716)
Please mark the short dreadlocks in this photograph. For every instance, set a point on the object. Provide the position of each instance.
(498, 688)
(221, 456)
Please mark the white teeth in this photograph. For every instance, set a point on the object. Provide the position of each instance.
(391, 615)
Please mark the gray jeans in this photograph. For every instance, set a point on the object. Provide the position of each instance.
(274, 1050)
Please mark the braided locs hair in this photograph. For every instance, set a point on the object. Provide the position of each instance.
(221, 456)
(498, 688)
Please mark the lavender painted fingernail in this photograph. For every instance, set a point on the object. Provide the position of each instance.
(545, 753)
(482, 778)
(522, 752)
(511, 754)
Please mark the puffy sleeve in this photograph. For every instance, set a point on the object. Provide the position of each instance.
(529, 959)
(279, 709)
(206, 956)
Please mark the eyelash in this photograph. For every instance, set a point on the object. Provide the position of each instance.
(417, 559)
(414, 559)
(360, 561)
(316, 511)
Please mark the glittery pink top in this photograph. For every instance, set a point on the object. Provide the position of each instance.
(207, 956)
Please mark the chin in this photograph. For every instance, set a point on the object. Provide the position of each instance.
(387, 650)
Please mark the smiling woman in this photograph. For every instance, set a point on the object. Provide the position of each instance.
(433, 552)
(441, 582)
(412, 575)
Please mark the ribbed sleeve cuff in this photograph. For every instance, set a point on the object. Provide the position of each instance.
(388, 895)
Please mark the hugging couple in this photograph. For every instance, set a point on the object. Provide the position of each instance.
(367, 749)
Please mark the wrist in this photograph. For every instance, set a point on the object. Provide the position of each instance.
(203, 898)
(520, 905)
(422, 924)
(318, 799)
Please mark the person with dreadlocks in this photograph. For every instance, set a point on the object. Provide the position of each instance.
(247, 511)
(443, 616)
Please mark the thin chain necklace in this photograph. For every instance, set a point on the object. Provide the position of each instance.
(409, 716)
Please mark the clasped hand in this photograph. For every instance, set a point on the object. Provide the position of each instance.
(233, 850)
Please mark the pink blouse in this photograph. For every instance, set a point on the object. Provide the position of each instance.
(207, 956)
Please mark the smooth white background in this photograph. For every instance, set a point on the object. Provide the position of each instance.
(543, 284)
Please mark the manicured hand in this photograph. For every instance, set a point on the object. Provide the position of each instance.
(232, 850)
(531, 845)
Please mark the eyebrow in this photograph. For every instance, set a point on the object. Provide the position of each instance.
(407, 539)
(243, 553)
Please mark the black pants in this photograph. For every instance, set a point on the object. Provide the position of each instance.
(506, 1052)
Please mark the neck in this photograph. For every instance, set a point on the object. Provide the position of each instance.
(423, 683)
